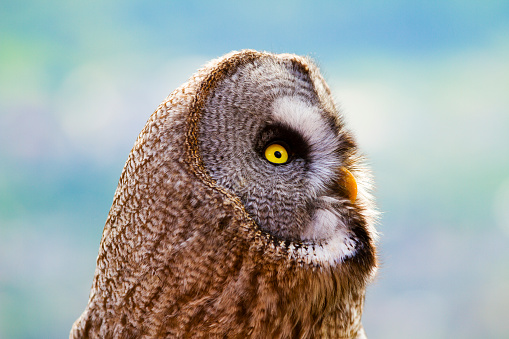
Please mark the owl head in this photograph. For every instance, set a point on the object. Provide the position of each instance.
(243, 210)
(270, 135)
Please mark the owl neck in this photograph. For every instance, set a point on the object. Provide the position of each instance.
(241, 297)
(304, 303)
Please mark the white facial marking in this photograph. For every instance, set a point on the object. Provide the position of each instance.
(323, 142)
(339, 242)
(323, 225)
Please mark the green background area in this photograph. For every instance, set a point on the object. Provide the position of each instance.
(424, 86)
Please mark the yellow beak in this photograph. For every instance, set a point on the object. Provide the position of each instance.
(348, 181)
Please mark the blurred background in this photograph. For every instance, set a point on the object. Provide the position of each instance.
(424, 85)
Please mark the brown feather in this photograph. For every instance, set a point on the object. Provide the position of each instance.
(180, 256)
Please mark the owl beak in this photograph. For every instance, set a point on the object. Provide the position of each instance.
(348, 181)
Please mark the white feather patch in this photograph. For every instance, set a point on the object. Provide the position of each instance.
(339, 244)
(337, 241)
(309, 121)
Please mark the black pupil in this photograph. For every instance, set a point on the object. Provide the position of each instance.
(277, 154)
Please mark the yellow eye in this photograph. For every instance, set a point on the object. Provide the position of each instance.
(276, 154)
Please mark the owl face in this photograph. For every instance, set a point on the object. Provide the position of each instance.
(269, 134)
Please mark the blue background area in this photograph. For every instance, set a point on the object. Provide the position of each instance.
(424, 86)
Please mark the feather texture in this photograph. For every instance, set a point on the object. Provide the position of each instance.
(182, 253)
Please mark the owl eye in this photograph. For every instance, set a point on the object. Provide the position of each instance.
(276, 154)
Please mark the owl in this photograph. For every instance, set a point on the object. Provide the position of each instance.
(243, 210)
